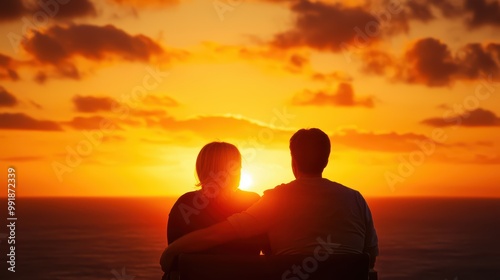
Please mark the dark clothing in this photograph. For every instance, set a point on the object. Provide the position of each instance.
(194, 211)
(298, 214)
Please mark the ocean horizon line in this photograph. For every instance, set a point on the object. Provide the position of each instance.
(177, 196)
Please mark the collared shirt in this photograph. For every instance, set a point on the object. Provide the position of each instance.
(308, 212)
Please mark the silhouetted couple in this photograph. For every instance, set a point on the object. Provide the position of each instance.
(289, 219)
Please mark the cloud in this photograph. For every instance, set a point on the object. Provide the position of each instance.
(332, 76)
(215, 128)
(293, 60)
(473, 13)
(60, 43)
(8, 68)
(483, 12)
(93, 123)
(74, 9)
(149, 3)
(377, 62)
(430, 62)
(112, 122)
(92, 104)
(11, 9)
(476, 118)
(6, 98)
(22, 121)
(342, 97)
(480, 159)
(160, 100)
(34, 11)
(424, 10)
(384, 142)
(476, 60)
(36, 105)
(421, 11)
(22, 158)
(324, 26)
(148, 113)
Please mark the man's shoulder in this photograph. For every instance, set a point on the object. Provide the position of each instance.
(279, 189)
(345, 188)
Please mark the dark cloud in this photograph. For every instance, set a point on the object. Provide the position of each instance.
(296, 63)
(93, 123)
(420, 11)
(423, 10)
(22, 121)
(476, 118)
(40, 11)
(342, 97)
(477, 59)
(336, 27)
(62, 70)
(11, 10)
(325, 26)
(8, 68)
(57, 44)
(483, 12)
(430, 62)
(6, 98)
(72, 9)
(473, 13)
(92, 104)
(149, 3)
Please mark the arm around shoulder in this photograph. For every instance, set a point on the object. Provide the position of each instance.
(198, 241)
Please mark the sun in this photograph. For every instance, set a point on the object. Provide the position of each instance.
(246, 181)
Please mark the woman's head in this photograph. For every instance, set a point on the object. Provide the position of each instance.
(219, 164)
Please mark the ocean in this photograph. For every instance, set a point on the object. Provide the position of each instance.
(122, 238)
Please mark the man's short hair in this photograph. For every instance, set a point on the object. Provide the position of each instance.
(310, 149)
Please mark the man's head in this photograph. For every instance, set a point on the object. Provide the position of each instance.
(310, 149)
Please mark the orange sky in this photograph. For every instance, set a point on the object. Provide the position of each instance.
(116, 98)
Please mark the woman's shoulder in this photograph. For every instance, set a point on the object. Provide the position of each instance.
(248, 197)
(187, 198)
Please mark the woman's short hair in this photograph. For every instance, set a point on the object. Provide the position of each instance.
(310, 149)
(219, 163)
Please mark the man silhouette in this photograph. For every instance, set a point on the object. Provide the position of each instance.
(296, 216)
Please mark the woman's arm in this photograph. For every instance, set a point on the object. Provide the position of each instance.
(198, 241)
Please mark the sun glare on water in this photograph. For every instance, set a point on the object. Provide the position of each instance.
(246, 181)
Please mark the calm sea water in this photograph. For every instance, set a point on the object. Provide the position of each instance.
(102, 238)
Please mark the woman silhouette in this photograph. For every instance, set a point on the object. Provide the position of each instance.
(218, 168)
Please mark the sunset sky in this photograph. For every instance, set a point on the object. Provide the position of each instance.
(117, 97)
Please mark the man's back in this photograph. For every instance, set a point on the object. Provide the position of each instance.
(311, 214)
